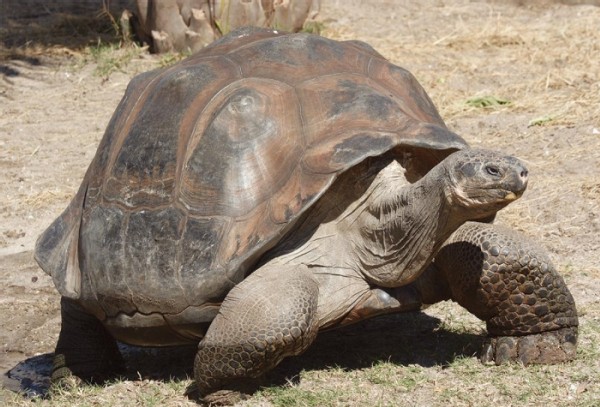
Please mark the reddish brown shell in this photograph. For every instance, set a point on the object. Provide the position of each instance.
(206, 164)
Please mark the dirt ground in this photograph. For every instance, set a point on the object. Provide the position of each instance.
(541, 57)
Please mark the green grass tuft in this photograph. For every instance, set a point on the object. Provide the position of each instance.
(540, 121)
(313, 27)
(487, 101)
(110, 58)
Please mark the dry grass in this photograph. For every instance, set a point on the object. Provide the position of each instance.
(537, 64)
(45, 198)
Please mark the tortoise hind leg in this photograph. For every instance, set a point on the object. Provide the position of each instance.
(268, 316)
(85, 348)
(509, 282)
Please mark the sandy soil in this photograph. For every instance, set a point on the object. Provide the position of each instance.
(54, 107)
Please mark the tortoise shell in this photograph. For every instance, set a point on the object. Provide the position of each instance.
(206, 165)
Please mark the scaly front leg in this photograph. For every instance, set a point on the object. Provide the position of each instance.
(270, 315)
(509, 282)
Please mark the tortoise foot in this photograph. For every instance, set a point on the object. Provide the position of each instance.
(543, 348)
(64, 381)
(74, 373)
(227, 397)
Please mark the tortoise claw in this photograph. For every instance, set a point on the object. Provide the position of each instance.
(543, 348)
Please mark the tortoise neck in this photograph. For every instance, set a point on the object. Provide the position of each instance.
(402, 227)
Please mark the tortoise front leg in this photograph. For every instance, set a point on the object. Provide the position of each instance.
(268, 316)
(509, 282)
(85, 348)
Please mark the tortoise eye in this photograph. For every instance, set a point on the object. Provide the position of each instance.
(493, 170)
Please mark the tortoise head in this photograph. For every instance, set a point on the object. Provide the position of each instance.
(484, 181)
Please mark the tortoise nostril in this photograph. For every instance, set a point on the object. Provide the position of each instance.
(524, 174)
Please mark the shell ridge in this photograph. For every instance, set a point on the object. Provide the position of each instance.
(186, 138)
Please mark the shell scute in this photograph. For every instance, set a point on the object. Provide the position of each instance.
(336, 104)
(101, 239)
(406, 91)
(151, 246)
(245, 149)
(343, 151)
(199, 251)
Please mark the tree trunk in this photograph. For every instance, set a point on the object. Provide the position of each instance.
(189, 25)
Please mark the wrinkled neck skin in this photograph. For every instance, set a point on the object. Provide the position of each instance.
(387, 235)
(401, 226)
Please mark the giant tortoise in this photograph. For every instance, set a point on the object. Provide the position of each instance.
(274, 185)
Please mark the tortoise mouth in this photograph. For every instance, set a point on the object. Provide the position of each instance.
(493, 196)
(512, 196)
